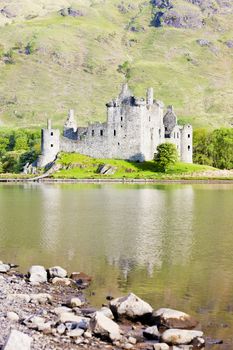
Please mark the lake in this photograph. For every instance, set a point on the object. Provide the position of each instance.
(170, 244)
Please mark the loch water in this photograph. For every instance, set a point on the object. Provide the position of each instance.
(170, 244)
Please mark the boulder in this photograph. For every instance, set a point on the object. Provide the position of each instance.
(74, 333)
(12, 316)
(106, 312)
(41, 298)
(4, 268)
(152, 333)
(105, 328)
(81, 278)
(173, 319)
(61, 309)
(57, 271)
(131, 307)
(75, 302)
(161, 346)
(37, 274)
(72, 318)
(17, 340)
(180, 336)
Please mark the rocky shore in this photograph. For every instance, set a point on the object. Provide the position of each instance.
(46, 309)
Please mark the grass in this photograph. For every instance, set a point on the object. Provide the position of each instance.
(76, 60)
(77, 166)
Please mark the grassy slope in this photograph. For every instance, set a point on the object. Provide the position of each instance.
(76, 166)
(76, 63)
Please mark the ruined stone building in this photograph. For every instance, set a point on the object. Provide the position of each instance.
(133, 130)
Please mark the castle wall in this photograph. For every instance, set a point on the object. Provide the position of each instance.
(186, 144)
(50, 145)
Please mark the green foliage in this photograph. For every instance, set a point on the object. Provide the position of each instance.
(18, 147)
(166, 155)
(214, 148)
(10, 57)
(30, 48)
(125, 69)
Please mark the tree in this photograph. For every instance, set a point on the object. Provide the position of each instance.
(222, 143)
(166, 155)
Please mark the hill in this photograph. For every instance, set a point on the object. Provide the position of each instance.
(56, 55)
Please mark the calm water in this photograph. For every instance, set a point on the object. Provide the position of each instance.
(170, 244)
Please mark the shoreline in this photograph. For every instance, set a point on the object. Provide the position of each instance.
(116, 181)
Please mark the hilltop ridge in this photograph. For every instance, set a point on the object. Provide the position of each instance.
(56, 55)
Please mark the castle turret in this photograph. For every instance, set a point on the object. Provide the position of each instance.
(50, 145)
(70, 126)
(186, 154)
(150, 96)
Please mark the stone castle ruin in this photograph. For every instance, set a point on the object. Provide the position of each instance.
(133, 130)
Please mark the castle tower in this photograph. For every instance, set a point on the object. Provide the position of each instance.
(50, 145)
(186, 149)
(150, 96)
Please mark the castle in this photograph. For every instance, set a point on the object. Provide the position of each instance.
(133, 130)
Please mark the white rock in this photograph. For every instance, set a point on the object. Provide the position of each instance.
(17, 340)
(4, 268)
(180, 336)
(41, 298)
(161, 346)
(132, 340)
(61, 329)
(75, 333)
(104, 327)
(174, 318)
(106, 312)
(12, 316)
(151, 333)
(61, 309)
(88, 334)
(57, 271)
(34, 322)
(75, 302)
(130, 306)
(70, 317)
(38, 274)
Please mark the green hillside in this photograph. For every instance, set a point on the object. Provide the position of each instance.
(52, 61)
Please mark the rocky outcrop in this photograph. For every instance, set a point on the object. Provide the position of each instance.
(173, 319)
(131, 307)
(180, 337)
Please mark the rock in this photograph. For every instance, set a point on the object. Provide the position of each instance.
(4, 268)
(180, 336)
(57, 271)
(75, 302)
(61, 309)
(152, 333)
(70, 317)
(12, 316)
(41, 298)
(61, 281)
(106, 169)
(173, 319)
(81, 278)
(17, 340)
(161, 346)
(75, 333)
(104, 327)
(88, 334)
(106, 312)
(203, 42)
(132, 340)
(34, 322)
(37, 274)
(61, 329)
(131, 307)
(229, 44)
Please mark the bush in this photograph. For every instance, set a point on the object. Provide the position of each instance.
(166, 155)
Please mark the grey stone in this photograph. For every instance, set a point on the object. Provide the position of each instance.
(61, 328)
(74, 333)
(104, 327)
(131, 307)
(4, 268)
(57, 271)
(180, 336)
(38, 274)
(107, 312)
(17, 340)
(61, 281)
(12, 316)
(151, 333)
(173, 319)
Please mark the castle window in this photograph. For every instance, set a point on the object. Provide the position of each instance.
(189, 148)
(114, 132)
(177, 135)
(165, 128)
(101, 132)
(51, 145)
(51, 134)
(118, 143)
(149, 118)
(92, 132)
(159, 132)
(189, 136)
(122, 119)
(174, 135)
